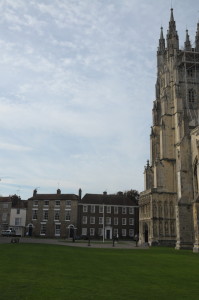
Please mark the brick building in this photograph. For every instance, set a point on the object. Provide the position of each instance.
(104, 216)
(52, 215)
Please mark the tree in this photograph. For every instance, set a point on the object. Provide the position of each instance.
(132, 194)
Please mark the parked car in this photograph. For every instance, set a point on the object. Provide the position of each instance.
(8, 232)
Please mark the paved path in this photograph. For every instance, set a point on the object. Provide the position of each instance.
(93, 244)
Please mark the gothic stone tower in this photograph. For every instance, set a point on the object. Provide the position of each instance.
(169, 203)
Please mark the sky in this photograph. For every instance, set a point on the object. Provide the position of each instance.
(77, 85)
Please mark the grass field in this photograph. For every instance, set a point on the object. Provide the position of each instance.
(36, 271)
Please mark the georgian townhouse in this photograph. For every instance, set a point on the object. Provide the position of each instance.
(105, 216)
(52, 215)
(5, 209)
(18, 215)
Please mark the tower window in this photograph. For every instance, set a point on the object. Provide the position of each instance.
(190, 72)
(191, 94)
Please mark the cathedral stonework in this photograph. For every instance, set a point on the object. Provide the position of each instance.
(169, 206)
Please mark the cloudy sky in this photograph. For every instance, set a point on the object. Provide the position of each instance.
(77, 84)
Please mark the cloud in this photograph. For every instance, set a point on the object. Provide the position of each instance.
(76, 90)
(12, 147)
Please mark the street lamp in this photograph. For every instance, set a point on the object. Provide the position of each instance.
(103, 222)
(89, 239)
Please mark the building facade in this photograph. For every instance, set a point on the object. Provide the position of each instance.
(52, 215)
(5, 209)
(105, 216)
(169, 204)
(18, 216)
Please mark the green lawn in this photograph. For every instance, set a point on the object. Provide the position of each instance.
(36, 271)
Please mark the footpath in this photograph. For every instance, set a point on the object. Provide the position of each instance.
(77, 243)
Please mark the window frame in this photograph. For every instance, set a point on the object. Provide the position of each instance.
(131, 210)
(123, 221)
(45, 215)
(68, 203)
(101, 220)
(35, 202)
(131, 221)
(108, 220)
(108, 209)
(18, 221)
(92, 220)
(57, 203)
(115, 220)
(34, 213)
(85, 208)
(92, 231)
(56, 215)
(124, 232)
(43, 229)
(124, 210)
(101, 209)
(67, 215)
(57, 229)
(116, 210)
(131, 232)
(84, 220)
(84, 231)
(46, 203)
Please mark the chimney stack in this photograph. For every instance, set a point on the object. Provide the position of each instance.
(80, 194)
(58, 191)
(35, 193)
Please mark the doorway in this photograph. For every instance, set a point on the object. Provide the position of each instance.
(146, 233)
(30, 228)
(71, 231)
(108, 234)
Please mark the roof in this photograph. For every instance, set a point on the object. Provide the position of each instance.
(54, 197)
(15, 200)
(5, 199)
(108, 200)
(20, 204)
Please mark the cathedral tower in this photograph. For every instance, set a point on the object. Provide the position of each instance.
(166, 205)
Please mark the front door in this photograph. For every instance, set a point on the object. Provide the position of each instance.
(71, 233)
(108, 234)
(30, 230)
